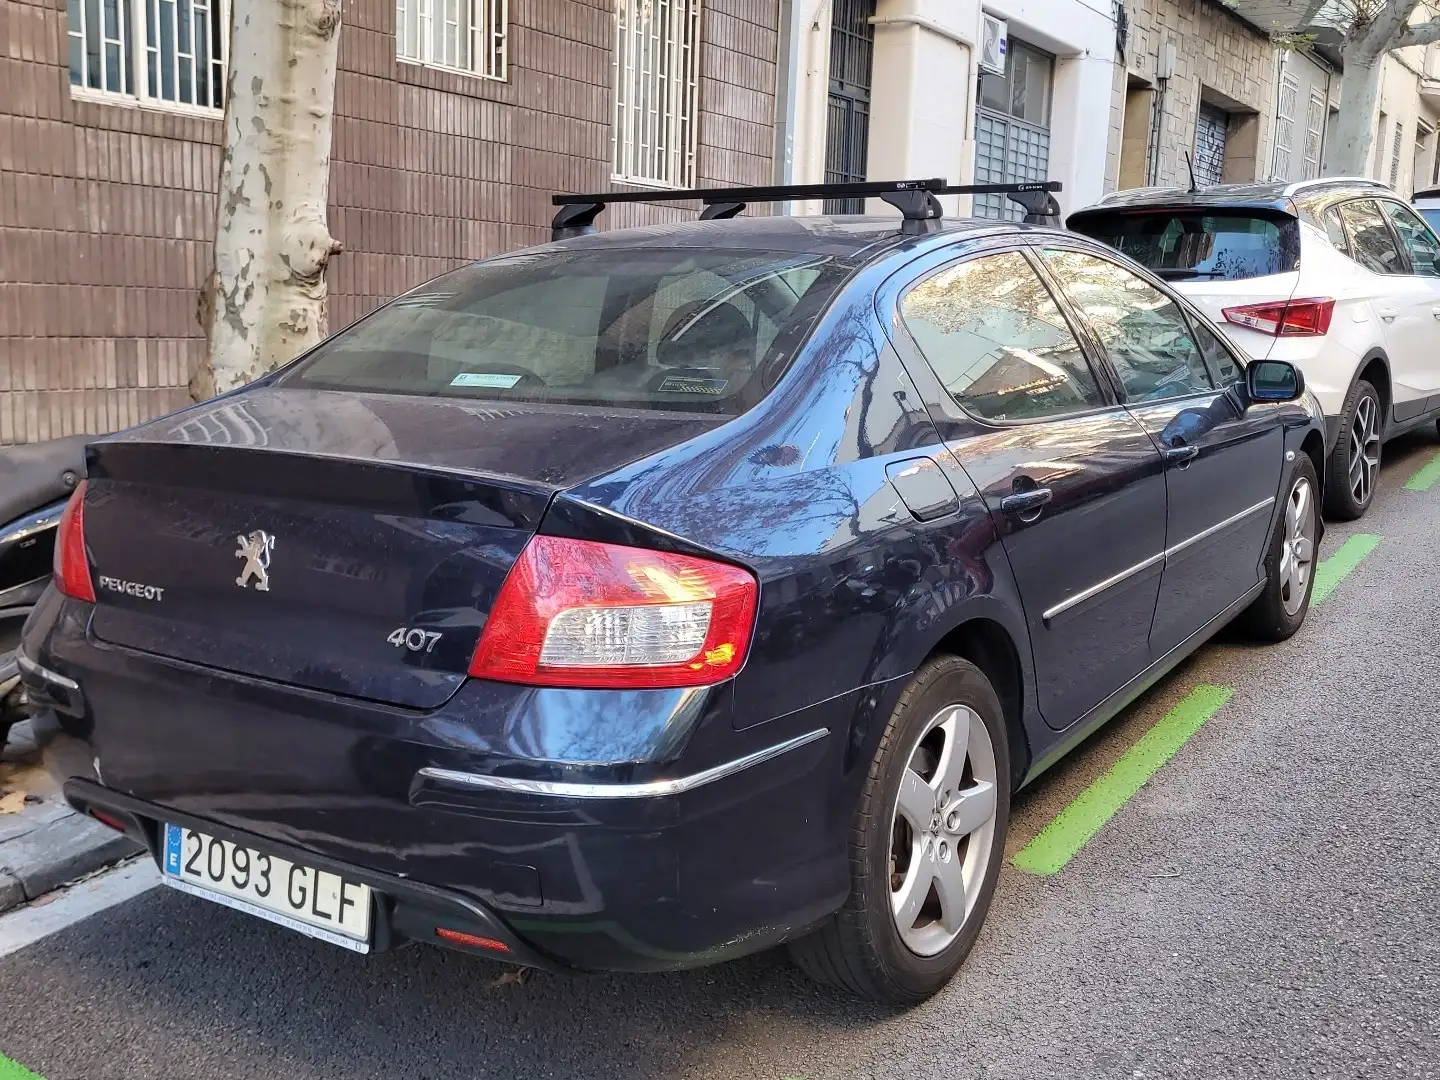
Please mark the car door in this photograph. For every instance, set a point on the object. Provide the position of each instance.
(1397, 299)
(1073, 483)
(1222, 460)
(1417, 305)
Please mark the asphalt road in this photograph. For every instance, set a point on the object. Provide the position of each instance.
(1265, 907)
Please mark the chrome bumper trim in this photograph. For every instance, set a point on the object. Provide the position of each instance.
(30, 667)
(650, 789)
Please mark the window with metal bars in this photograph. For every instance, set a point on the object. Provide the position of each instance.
(1285, 124)
(470, 36)
(169, 53)
(1395, 154)
(657, 45)
(847, 135)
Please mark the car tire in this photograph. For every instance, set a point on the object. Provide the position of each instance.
(862, 948)
(1351, 486)
(1290, 560)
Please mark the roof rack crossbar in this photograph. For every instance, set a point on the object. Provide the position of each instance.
(915, 199)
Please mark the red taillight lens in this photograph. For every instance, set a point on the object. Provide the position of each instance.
(72, 569)
(1286, 318)
(584, 614)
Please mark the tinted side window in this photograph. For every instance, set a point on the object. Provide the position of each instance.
(1371, 243)
(1419, 241)
(1143, 330)
(995, 337)
(1221, 360)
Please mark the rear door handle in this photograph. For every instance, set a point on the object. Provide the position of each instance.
(1026, 502)
(1386, 314)
(1181, 455)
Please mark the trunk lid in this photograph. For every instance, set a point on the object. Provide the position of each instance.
(346, 543)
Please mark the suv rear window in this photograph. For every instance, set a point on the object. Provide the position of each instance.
(647, 328)
(1186, 245)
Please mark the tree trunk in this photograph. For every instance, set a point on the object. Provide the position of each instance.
(265, 300)
(1348, 148)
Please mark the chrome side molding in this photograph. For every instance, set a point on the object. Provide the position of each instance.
(649, 789)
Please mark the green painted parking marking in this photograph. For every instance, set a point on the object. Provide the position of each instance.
(1073, 827)
(13, 1070)
(1426, 477)
(1347, 557)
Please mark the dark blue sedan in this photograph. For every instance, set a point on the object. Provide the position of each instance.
(655, 597)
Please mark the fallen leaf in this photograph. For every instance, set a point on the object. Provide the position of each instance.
(515, 976)
(12, 803)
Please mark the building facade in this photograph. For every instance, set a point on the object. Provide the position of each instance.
(1195, 78)
(455, 122)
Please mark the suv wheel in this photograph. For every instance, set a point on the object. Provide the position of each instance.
(1355, 461)
(927, 842)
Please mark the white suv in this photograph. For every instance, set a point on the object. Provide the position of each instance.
(1339, 277)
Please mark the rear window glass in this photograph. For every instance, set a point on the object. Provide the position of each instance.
(658, 328)
(1188, 246)
(1431, 214)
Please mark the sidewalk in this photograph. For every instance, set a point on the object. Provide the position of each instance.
(43, 842)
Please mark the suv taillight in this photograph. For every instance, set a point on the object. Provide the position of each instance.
(1286, 318)
(72, 569)
(585, 614)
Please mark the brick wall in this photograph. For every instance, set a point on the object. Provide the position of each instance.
(1219, 59)
(107, 211)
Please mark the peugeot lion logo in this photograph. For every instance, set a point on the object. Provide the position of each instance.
(255, 550)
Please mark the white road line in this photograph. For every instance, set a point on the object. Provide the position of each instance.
(27, 925)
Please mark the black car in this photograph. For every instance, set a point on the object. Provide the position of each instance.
(655, 597)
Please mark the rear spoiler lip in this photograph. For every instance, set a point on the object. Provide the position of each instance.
(1178, 204)
(401, 487)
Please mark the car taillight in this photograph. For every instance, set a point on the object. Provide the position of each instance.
(72, 569)
(585, 614)
(1286, 318)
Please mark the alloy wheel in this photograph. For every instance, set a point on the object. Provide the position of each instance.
(1364, 449)
(942, 830)
(1297, 554)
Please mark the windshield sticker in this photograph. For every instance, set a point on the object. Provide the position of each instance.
(681, 384)
(496, 380)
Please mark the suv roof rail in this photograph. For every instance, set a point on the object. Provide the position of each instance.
(915, 199)
(1305, 185)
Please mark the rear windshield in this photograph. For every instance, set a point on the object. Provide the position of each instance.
(656, 328)
(1190, 246)
(1431, 214)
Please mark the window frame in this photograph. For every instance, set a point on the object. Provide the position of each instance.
(133, 50)
(1338, 207)
(497, 65)
(679, 111)
(891, 295)
(1400, 240)
(1111, 371)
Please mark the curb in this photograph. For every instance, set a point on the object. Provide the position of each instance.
(55, 854)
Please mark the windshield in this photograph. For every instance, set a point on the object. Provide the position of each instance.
(1188, 245)
(649, 328)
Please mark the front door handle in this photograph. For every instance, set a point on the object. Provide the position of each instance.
(1435, 311)
(1026, 503)
(1181, 455)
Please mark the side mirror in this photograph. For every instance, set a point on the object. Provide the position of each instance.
(1273, 380)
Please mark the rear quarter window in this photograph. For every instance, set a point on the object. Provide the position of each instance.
(1185, 245)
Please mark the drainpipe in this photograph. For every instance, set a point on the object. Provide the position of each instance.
(1164, 68)
(787, 82)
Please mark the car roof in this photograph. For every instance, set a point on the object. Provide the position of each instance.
(854, 238)
(1278, 195)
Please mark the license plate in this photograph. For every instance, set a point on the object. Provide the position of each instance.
(314, 902)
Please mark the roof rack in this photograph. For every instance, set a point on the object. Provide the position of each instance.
(915, 199)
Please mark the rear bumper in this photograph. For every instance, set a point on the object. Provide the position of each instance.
(722, 843)
(405, 910)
